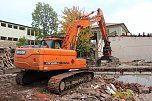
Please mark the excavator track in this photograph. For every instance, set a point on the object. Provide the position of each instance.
(29, 76)
(26, 77)
(62, 83)
(59, 82)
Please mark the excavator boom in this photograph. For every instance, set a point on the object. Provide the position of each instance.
(70, 38)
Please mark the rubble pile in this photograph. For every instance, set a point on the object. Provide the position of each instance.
(103, 88)
(140, 62)
(6, 59)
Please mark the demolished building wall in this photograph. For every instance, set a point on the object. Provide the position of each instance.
(128, 49)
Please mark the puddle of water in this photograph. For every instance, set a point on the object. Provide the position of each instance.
(140, 79)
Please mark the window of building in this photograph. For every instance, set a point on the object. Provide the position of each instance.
(32, 42)
(29, 42)
(15, 39)
(10, 39)
(3, 38)
(36, 34)
(123, 34)
(3, 24)
(28, 31)
(15, 27)
(9, 26)
(32, 32)
(36, 43)
(22, 28)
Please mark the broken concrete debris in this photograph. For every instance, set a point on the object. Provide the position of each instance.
(101, 88)
(6, 59)
(104, 88)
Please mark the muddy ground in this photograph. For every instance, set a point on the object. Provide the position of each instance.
(96, 90)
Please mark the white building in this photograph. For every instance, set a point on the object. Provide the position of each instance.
(11, 32)
(112, 29)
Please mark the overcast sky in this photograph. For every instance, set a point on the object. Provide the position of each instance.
(136, 14)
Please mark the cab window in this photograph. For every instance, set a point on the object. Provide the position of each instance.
(43, 43)
(57, 45)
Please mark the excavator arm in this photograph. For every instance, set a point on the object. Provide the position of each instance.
(70, 38)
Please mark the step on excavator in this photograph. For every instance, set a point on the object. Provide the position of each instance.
(55, 59)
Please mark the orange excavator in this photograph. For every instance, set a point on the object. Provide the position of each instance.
(56, 58)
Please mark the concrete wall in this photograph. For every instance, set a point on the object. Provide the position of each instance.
(6, 44)
(132, 48)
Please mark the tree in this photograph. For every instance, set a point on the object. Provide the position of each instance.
(44, 20)
(84, 39)
(70, 15)
(22, 41)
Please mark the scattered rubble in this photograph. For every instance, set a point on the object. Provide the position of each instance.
(6, 59)
(103, 88)
(140, 62)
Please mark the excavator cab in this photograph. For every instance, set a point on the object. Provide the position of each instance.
(54, 43)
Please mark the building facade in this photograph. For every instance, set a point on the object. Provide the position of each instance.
(112, 29)
(117, 29)
(11, 32)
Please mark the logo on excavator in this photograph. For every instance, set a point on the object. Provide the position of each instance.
(36, 51)
(55, 63)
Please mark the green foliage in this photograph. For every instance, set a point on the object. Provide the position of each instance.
(44, 20)
(70, 15)
(84, 43)
(124, 94)
(22, 41)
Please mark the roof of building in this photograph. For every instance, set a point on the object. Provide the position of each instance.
(14, 23)
(114, 24)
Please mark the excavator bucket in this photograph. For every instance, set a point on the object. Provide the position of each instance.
(107, 59)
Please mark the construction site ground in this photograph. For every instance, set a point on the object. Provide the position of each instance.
(102, 88)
